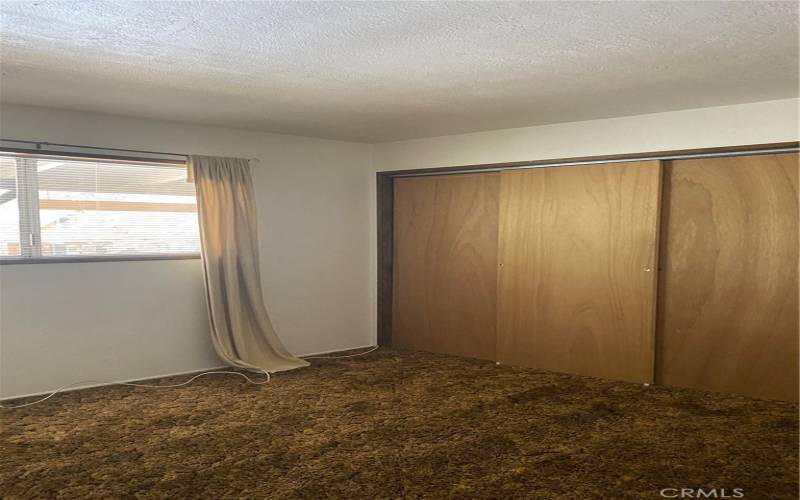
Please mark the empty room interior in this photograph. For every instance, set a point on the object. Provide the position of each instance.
(395, 250)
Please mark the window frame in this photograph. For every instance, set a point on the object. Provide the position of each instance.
(33, 154)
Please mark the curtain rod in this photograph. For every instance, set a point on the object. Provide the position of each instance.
(535, 164)
(39, 145)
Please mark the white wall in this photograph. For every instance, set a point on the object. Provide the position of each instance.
(754, 123)
(61, 323)
(64, 323)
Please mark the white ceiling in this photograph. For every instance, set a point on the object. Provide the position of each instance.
(378, 71)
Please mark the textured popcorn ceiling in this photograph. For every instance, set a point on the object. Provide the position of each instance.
(394, 70)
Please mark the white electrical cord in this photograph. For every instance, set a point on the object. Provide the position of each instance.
(131, 384)
(170, 386)
(343, 356)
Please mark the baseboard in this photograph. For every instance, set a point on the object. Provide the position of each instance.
(103, 384)
(175, 374)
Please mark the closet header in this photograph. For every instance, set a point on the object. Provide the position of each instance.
(764, 149)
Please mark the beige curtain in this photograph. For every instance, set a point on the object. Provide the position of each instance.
(240, 327)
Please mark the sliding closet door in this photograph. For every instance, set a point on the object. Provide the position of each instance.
(729, 290)
(577, 276)
(445, 264)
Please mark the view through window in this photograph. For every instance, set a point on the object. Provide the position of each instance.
(57, 207)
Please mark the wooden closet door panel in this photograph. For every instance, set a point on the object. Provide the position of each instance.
(445, 264)
(577, 269)
(729, 287)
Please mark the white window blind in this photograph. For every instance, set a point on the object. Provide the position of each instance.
(63, 207)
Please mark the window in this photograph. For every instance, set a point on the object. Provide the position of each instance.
(55, 207)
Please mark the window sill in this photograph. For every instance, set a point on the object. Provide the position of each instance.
(100, 258)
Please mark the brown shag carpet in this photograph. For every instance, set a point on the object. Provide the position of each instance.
(397, 424)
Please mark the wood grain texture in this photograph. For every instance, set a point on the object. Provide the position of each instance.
(728, 295)
(445, 264)
(577, 251)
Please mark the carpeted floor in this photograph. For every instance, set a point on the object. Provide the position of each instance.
(397, 424)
